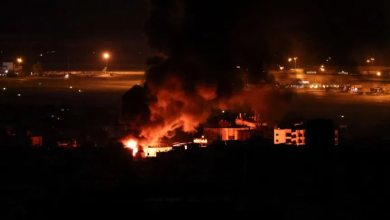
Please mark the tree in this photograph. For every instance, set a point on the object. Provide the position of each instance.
(37, 68)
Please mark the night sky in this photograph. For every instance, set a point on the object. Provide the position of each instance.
(261, 31)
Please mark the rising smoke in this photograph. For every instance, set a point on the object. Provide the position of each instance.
(194, 68)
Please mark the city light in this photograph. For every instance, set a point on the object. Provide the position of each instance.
(378, 73)
(289, 59)
(19, 60)
(106, 56)
(368, 61)
(281, 67)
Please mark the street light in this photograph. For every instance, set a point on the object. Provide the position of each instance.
(106, 56)
(19, 60)
(372, 61)
(289, 59)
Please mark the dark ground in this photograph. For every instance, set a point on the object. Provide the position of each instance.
(284, 182)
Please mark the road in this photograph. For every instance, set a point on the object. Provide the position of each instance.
(75, 90)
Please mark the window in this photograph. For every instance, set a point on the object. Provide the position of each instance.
(277, 134)
(276, 140)
(288, 134)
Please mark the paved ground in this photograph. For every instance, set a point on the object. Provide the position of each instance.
(76, 90)
(365, 116)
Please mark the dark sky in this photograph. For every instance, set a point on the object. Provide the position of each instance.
(74, 28)
(349, 31)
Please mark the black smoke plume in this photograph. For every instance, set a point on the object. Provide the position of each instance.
(201, 51)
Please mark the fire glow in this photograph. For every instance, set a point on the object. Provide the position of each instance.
(132, 144)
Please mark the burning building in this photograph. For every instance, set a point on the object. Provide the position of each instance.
(190, 75)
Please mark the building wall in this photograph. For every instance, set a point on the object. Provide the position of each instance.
(295, 137)
(289, 136)
(152, 151)
(279, 136)
(223, 134)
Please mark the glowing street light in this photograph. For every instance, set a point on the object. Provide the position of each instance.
(106, 56)
(378, 73)
(19, 60)
(289, 59)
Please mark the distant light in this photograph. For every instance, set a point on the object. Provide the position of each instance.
(378, 73)
(39, 84)
(58, 118)
(52, 116)
(62, 109)
(238, 67)
(4, 88)
(19, 60)
(223, 111)
(289, 59)
(18, 94)
(40, 55)
(342, 116)
(368, 61)
(70, 87)
(281, 67)
(6, 71)
(106, 55)
(372, 59)
(66, 76)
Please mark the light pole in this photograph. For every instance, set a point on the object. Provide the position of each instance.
(68, 65)
(106, 56)
(295, 59)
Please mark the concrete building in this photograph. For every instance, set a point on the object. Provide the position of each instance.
(317, 132)
(290, 136)
(152, 151)
(225, 134)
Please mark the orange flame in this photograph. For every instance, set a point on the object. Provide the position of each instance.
(132, 144)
